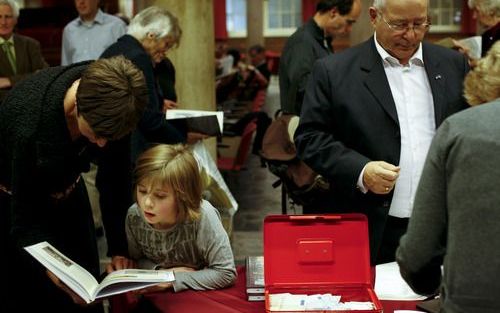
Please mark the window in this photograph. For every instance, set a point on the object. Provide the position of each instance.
(445, 15)
(236, 18)
(282, 17)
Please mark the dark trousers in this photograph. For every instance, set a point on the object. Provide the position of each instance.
(395, 227)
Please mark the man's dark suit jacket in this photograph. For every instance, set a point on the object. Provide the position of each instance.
(301, 50)
(28, 60)
(349, 118)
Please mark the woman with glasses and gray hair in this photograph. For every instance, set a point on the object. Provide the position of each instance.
(151, 33)
(487, 12)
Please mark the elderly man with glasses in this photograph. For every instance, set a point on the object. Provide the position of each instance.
(20, 56)
(370, 113)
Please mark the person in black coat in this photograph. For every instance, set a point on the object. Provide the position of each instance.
(151, 33)
(51, 122)
(310, 42)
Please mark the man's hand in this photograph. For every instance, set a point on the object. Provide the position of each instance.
(169, 105)
(457, 45)
(193, 137)
(120, 262)
(76, 298)
(380, 177)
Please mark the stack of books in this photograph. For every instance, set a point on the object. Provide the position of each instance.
(255, 278)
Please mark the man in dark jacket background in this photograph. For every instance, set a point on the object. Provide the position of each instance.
(309, 43)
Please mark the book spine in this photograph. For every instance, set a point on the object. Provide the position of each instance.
(256, 298)
(256, 290)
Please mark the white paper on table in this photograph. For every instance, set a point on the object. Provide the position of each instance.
(389, 285)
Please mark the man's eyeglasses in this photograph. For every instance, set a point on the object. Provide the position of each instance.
(418, 27)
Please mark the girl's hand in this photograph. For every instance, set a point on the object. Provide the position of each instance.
(161, 287)
(120, 262)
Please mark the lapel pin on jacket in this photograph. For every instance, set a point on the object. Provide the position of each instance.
(437, 77)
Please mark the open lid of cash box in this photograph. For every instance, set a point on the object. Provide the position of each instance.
(316, 250)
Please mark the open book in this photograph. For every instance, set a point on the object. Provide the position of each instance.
(205, 122)
(471, 44)
(84, 284)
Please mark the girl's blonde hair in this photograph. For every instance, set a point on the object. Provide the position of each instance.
(176, 167)
(482, 84)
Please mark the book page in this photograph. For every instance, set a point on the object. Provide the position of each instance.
(473, 45)
(73, 275)
(132, 279)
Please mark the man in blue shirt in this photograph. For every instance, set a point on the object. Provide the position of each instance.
(87, 36)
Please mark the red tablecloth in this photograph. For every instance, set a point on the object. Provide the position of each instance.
(229, 300)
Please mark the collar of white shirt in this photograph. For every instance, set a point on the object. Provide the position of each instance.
(388, 60)
(99, 19)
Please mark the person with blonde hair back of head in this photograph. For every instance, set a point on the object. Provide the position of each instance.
(451, 245)
(171, 227)
(53, 124)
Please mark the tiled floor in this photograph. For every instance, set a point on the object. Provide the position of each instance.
(252, 188)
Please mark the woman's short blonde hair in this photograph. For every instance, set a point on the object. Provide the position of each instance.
(176, 167)
(482, 84)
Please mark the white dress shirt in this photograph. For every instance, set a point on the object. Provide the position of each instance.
(84, 41)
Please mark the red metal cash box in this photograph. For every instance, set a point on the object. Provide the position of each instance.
(317, 254)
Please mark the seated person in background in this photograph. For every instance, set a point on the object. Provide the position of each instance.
(455, 218)
(19, 55)
(257, 55)
(223, 61)
(227, 87)
(242, 86)
(171, 227)
(253, 80)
